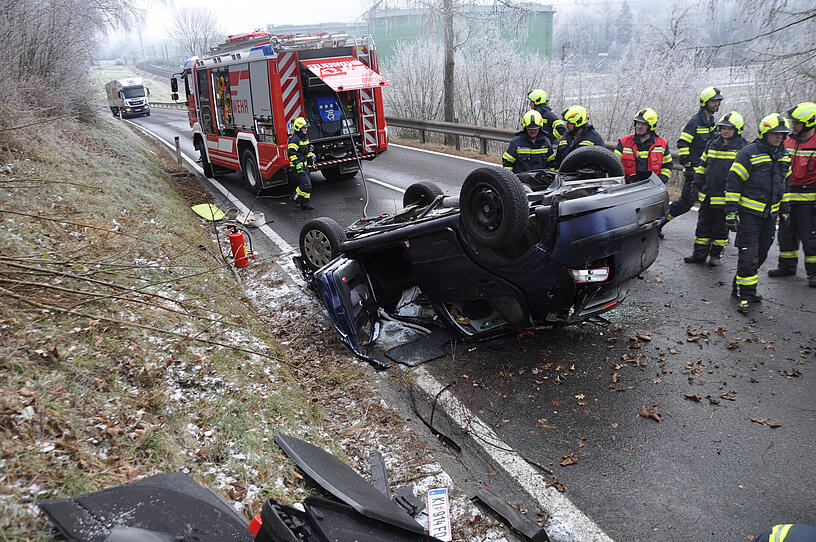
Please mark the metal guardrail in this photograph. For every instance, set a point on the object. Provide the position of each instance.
(482, 133)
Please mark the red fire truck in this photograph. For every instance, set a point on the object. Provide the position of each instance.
(244, 95)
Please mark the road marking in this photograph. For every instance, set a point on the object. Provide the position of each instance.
(567, 523)
(385, 184)
(445, 155)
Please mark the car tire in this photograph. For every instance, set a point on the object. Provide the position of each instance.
(206, 166)
(421, 193)
(320, 240)
(333, 174)
(250, 171)
(493, 208)
(593, 157)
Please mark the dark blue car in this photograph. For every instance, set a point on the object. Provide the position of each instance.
(502, 257)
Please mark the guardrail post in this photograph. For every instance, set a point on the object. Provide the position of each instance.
(422, 136)
(178, 151)
(458, 143)
(482, 145)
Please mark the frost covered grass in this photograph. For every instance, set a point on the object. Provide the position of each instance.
(126, 349)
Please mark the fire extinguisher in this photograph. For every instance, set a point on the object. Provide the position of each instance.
(238, 245)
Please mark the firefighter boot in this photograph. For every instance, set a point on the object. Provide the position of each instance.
(751, 296)
(304, 205)
(714, 258)
(779, 272)
(812, 281)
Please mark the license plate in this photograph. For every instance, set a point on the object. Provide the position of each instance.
(439, 525)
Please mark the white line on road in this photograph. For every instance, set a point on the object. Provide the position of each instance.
(385, 184)
(567, 523)
(443, 154)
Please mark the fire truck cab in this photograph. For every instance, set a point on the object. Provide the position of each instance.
(243, 96)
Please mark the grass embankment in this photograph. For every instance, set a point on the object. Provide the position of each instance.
(126, 348)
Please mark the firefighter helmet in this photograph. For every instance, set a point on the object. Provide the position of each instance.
(577, 115)
(710, 93)
(732, 119)
(648, 116)
(299, 124)
(805, 113)
(773, 123)
(537, 96)
(532, 119)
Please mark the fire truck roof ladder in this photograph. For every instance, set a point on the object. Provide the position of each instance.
(292, 42)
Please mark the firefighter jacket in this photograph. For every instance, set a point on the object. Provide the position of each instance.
(553, 127)
(524, 155)
(694, 137)
(803, 170)
(710, 176)
(757, 179)
(300, 151)
(650, 155)
(568, 143)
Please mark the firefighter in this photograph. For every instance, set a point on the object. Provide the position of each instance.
(301, 158)
(711, 236)
(788, 532)
(801, 227)
(645, 150)
(757, 182)
(690, 148)
(579, 133)
(553, 126)
(530, 148)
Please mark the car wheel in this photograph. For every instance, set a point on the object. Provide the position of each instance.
(594, 160)
(320, 240)
(249, 169)
(206, 166)
(493, 208)
(421, 193)
(333, 174)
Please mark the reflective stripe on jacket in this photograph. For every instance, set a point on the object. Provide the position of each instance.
(299, 150)
(524, 155)
(711, 175)
(694, 137)
(655, 158)
(757, 179)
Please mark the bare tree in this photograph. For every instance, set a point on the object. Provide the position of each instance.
(194, 30)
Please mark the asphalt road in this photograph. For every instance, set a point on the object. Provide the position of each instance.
(705, 471)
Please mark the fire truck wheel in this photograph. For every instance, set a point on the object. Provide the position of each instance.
(493, 208)
(333, 174)
(320, 241)
(206, 166)
(421, 193)
(249, 169)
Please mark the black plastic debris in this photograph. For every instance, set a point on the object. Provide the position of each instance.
(518, 521)
(171, 505)
(344, 483)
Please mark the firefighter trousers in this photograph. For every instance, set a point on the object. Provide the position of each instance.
(303, 191)
(755, 236)
(800, 228)
(711, 236)
(688, 195)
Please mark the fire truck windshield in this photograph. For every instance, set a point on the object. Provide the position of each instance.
(134, 92)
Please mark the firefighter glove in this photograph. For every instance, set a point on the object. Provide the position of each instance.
(732, 220)
(784, 218)
(313, 161)
(299, 166)
(687, 164)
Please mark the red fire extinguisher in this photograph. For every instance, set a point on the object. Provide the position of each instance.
(238, 245)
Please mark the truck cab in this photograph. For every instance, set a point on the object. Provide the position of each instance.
(128, 97)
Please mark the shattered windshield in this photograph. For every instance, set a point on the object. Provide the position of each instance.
(134, 92)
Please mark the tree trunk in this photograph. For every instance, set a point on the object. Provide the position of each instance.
(447, 77)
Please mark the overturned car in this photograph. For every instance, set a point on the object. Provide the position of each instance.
(510, 253)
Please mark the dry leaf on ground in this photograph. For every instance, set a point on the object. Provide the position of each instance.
(652, 413)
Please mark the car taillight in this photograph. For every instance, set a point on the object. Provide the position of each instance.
(598, 274)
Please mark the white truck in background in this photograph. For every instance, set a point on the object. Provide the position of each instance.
(128, 97)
